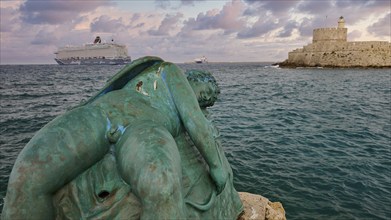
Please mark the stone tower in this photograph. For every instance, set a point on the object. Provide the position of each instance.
(341, 22)
(329, 35)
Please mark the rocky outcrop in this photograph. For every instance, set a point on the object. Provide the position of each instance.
(257, 207)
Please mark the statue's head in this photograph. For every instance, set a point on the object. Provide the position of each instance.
(204, 86)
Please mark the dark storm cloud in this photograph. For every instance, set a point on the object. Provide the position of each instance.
(168, 23)
(382, 26)
(106, 24)
(56, 11)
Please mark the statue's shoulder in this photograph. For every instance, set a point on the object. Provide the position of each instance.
(126, 74)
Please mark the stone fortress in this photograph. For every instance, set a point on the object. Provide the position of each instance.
(330, 48)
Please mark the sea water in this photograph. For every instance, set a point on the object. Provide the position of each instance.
(317, 140)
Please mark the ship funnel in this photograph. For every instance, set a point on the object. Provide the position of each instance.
(97, 40)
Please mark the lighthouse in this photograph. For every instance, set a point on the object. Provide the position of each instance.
(341, 22)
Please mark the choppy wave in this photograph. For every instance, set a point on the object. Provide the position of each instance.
(318, 140)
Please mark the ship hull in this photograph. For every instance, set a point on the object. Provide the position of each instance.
(97, 61)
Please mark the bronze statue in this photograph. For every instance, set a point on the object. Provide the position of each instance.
(140, 148)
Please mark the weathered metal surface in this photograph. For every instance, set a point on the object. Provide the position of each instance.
(141, 148)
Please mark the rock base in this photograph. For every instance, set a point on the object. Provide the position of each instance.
(257, 207)
(293, 65)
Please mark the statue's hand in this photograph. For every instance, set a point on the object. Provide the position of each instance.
(219, 177)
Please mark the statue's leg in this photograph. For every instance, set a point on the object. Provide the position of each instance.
(148, 160)
(57, 153)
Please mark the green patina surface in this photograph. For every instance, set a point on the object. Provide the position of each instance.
(142, 147)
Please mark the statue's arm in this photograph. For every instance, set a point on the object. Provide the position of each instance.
(200, 130)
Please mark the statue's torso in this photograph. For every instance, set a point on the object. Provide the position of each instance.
(145, 99)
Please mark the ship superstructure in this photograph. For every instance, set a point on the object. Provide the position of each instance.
(96, 53)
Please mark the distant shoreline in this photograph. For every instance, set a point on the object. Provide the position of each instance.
(200, 64)
(287, 65)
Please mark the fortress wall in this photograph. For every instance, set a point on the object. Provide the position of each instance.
(330, 48)
(343, 54)
(347, 46)
(330, 34)
(369, 45)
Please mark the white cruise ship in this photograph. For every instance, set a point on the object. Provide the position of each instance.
(97, 53)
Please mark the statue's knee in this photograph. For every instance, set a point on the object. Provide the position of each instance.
(158, 182)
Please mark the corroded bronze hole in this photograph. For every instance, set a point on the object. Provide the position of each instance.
(103, 194)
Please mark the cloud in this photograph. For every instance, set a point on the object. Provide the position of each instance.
(382, 26)
(288, 29)
(371, 4)
(261, 27)
(354, 11)
(44, 38)
(279, 7)
(227, 19)
(56, 11)
(8, 18)
(190, 2)
(167, 3)
(306, 27)
(354, 35)
(314, 7)
(250, 11)
(270, 16)
(106, 24)
(169, 23)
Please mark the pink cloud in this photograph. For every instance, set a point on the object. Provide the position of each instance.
(228, 19)
(168, 23)
(107, 24)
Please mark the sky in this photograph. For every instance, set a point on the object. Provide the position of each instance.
(182, 30)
